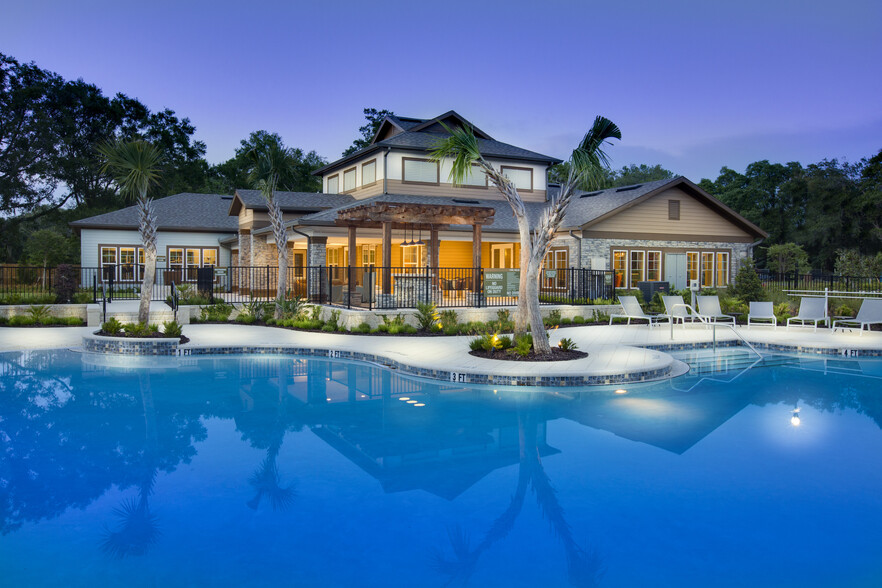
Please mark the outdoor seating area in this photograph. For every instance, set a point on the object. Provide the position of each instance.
(762, 313)
(869, 314)
(631, 310)
(812, 310)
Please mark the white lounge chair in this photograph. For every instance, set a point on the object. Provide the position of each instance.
(680, 313)
(869, 314)
(812, 309)
(709, 309)
(631, 310)
(760, 312)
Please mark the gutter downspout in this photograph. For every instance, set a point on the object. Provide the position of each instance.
(385, 169)
(579, 239)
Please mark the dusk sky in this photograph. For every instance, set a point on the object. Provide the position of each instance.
(694, 85)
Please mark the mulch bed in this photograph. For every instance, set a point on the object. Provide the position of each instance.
(557, 354)
(150, 336)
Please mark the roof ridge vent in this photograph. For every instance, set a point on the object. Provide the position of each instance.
(628, 188)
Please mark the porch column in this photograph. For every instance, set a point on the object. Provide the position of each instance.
(351, 272)
(476, 256)
(353, 258)
(387, 258)
(434, 256)
(316, 260)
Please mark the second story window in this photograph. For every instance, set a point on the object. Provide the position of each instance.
(521, 176)
(349, 180)
(334, 184)
(369, 173)
(419, 171)
(476, 179)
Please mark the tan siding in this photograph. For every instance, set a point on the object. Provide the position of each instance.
(451, 191)
(651, 217)
(374, 189)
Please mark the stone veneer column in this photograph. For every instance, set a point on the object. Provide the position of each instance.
(241, 279)
(316, 257)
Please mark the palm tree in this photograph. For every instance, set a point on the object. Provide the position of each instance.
(586, 165)
(272, 165)
(135, 167)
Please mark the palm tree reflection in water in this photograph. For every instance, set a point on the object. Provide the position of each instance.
(266, 480)
(584, 566)
(138, 528)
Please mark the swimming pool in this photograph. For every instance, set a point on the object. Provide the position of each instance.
(253, 471)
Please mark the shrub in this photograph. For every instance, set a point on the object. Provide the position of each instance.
(748, 287)
(523, 344)
(553, 318)
(844, 310)
(396, 321)
(567, 344)
(140, 329)
(73, 321)
(65, 283)
(505, 342)
(21, 321)
(426, 315)
(382, 328)
(579, 319)
(39, 312)
(112, 327)
(251, 311)
(219, 312)
(329, 328)
(566, 321)
(332, 321)
(448, 319)
(172, 328)
(362, 328)
(634, 292)
(600, 317)
(246, 318)
(315, 312)
(82, 297)
(294, 306)
(783, 312)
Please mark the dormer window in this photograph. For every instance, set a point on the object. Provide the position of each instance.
(334, 184)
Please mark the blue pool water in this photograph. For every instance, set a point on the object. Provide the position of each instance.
(256, 471)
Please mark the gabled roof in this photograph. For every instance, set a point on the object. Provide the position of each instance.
(288, 201)
(589, 208)
(205, 213)
(422, 135)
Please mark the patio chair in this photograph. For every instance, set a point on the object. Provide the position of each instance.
(631, 310)
(709, 309)
(869, 314)
(680, 313)
(762, 311)
(812, 309)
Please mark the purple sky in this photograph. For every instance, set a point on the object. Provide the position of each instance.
(694, 85)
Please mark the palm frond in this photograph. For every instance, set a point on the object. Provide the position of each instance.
(134, 165)
(461, 146)
(588, 159)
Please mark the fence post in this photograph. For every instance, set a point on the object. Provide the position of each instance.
(426, 298)
(94, 288)
(330, 283)
(349, 286)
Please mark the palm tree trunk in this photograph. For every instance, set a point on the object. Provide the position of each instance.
(534, 312)
(147, 227)
(281, 237)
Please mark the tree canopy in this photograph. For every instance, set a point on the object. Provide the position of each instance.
(374, 118)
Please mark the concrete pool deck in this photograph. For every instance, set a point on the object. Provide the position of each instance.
(617, 353)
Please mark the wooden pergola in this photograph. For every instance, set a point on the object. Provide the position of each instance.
(401, 215)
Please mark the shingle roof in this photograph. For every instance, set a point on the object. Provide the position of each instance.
(587, 206)
(503, 219)
(292, 201)
(489, 148)
(180, 212)
(406, 123)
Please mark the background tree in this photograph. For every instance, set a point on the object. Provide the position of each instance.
(47, 248)
(272, 166)
(787, 258)
(136, 167)
(626, 176)
(233, 173)
(586, 166)
(369, 129)
(748, 286)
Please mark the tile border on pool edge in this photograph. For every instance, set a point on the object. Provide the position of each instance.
(849, 351)
(170, 347)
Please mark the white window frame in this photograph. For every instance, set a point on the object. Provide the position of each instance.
(520, 169)
(368, 255)
(335, 188)
(625, 271)
(701, 272)
(350, 179)
(404, 180)
(367, 165)
(631, 259)
(660, 273)
(718, 255)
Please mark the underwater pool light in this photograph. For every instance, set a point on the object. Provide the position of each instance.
(794, 418)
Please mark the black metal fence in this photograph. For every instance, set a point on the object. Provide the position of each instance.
(818, 281)
(360, 287)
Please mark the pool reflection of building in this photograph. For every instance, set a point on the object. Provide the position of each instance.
(408, 434)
